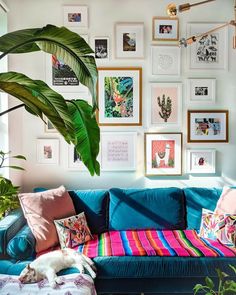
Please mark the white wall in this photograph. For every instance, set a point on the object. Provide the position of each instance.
(103, 14)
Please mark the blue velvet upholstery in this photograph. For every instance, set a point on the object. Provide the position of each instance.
(22, 245)
(160, 208)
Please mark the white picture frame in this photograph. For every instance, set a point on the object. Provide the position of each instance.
(129, 40)
(75, 16)
(166, 104)
(201, 161)
(211, 51)
(101, 47)
(118, 151)
(201, 90)
(48, 151)
(165, 60)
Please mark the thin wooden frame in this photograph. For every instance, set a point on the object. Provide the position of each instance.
(208, 126)
(171, 150)
(201, 161)
(165, 29)
(135, 74)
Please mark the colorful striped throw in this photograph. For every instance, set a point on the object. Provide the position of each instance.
(154, 243)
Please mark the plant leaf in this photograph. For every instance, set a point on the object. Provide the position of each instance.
(232, 267)
(197, 288)
(13, 167)
(87, 134)
(19, 157)
(209, 283)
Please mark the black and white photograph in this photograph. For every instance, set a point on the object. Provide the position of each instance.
(101, 48)
(201, 90)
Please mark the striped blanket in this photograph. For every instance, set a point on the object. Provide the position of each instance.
(154, 243)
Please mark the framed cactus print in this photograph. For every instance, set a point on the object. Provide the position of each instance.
(166, 104)
(163, 154)
(120, 96)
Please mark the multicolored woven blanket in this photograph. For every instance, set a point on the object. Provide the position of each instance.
(154, 243)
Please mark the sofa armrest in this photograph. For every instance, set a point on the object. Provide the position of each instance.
(9, 226)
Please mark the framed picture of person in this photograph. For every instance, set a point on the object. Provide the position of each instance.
(165, 29)
(201, 90)
(201, 161)
(101, 48)
(75, 16)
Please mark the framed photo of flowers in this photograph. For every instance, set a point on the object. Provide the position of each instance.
(75, 16)
(210, 51)
(129, 40)
(201, 161)
(165, 29)
(163, 154)
(201, 90)
(166, 104)
(120, 96)
(208, 126)
(47, 151)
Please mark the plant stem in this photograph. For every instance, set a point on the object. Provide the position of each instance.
(12, 109)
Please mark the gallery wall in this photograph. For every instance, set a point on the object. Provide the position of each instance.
(103, 15)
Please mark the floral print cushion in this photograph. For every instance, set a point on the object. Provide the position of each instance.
(218, 226)
(73, 231)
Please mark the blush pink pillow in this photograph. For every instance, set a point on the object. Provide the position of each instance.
(40, 210)
(227, 201)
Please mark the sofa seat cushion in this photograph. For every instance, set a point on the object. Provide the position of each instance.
(159, 208)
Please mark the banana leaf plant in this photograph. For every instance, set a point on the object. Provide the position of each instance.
(74, 119)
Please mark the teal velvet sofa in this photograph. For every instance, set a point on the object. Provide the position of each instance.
(123, 209)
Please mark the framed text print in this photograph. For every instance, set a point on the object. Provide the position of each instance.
(165, 29)
(163, 154)
(120, 96)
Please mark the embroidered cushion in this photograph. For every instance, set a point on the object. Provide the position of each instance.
(73, 231)
(227, 201)
(218, 226)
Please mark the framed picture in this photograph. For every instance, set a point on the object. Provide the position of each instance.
(75, 16)
(210, 51)
(61, 77)
(120, 96)
(165, 29)
(163, 154)
(48, 151)
(101, 48)
(74, 161)
(129, 40)
(207, 126)
(165, 60)
(201, 90)
(166, 104)
(201, 161)
(118, 151)
(48, 127)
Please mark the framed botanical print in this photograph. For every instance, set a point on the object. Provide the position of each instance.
(166, 104)
(201, 90)
(118, 151)
(75, 16)
(129, 40)
(201, 161)
(47, 151)
(101, 48)
(208, 126)
(163, 154)
(120, 96)
(210, 51)
(165, 60)
(165, 29)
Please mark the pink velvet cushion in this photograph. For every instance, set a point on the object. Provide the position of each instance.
(227, 201)
(40, 210)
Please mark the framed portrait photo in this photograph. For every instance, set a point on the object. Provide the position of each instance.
(129, 40)
(101, 48)
(75, 16)
(201, 90)
(163, 154)
(165, 29)
(165, 60)
(166, 104)
(47, 151)
(208, 126)
(201, 161)
(210, 51)
(118, 151)
(120, 96)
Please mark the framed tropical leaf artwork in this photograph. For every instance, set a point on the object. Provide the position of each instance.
(120, 96)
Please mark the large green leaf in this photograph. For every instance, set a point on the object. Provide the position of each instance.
(60, 42)
(87, 134)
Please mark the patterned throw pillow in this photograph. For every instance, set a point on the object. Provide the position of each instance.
(218, 226)
(73, 231)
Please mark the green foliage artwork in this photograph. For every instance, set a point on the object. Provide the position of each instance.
(166, 107)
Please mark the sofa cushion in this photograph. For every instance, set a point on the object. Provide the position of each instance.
(227, 201)
(95, 205)
(160, 208)
(22, 245)
(196, 199)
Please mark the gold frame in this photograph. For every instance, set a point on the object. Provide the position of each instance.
(181, 153)
(164, 18)
(226, 112)
(139, 69)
